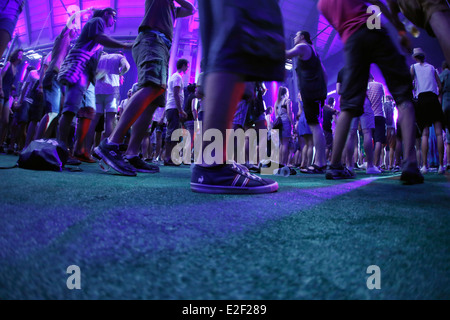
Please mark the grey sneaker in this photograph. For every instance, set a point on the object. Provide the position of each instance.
(111, 154)
(142, 166)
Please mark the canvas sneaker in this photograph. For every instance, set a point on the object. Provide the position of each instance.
(111, 154)
(142, 166)
(373, 170)
(339, 173)
(229, 179)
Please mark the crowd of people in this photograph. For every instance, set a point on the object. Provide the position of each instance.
(74, 94)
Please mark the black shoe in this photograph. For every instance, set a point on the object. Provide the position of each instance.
(170, 164)
(142, 166)
(339, 173)
(411, 174)
(111, 154)
(229, 179)
(71, 161)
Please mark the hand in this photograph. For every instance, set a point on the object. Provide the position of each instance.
(128, 45)
(183, 115)
(405, 42)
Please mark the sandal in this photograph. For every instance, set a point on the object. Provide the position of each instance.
(315, 169)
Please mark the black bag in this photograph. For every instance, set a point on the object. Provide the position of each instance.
(278, 123)
(43, 154)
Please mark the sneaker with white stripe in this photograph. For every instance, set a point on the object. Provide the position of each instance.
(229, 178)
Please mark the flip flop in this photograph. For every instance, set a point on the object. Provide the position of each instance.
(315, 169)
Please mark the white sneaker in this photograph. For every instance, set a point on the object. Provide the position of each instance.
(424, 170)
(373, 170)
(441, 170)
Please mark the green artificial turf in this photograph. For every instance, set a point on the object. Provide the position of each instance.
(150, 237)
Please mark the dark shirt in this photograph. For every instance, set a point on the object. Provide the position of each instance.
(160, 16)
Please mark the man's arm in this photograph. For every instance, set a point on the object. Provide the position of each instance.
(109, 42)
(124, 66)
(303, 51)
(187, 9)
(176, 96)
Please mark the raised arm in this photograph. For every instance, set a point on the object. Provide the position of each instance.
(187, 8)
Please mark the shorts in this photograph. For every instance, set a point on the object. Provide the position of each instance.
(80, 101)
(367, 119)
(361, 50)
(105, 103)
(36, 110)
(52, 93)
(380, 130)
(303, 127)
(173, 122)
(428, 110)
(243, 37)
(391, 138)
(419, 12)
(328, 139)
(9, 15)
(313, 112)
(21, 115)
(151, 55)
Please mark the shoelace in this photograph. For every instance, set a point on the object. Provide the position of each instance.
(244, 171)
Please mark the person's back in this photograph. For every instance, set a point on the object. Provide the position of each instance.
(425, 78)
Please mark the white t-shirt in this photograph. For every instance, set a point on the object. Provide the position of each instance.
(176, 80)
(425, 78)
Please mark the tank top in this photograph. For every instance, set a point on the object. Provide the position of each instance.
(311, 78)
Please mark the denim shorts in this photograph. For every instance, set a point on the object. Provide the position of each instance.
(105, 103)
(151, 55)
(173, 122)
(52, 93)
(80, 101)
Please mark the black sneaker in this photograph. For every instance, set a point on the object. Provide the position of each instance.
(111, 154)
(229, 178)
(339, 173)
(142, 166)
(411, 174)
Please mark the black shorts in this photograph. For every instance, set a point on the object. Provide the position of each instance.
(313, 112)
(362, 49)
(428, 110)
(380, 130)
(173, 122)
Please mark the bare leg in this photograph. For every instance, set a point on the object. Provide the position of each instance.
(340, 138)
(223, 91)
(139, 130)
(319, 144)
(135, 107)
(440, 23)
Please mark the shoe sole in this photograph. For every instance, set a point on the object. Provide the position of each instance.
(100, 156)
(202, 188)
(410, 179)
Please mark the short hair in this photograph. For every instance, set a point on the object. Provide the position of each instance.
(101, 13)
(445, 65)
(331, 101)
(182, 62)
(14, 55)
(307, 36)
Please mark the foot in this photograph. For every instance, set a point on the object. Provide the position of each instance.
(229, 179)
(338, 173)
(142, 166)
(424, 170)
(441, 170)
(373, 170)
(111, 154)
(411, 174)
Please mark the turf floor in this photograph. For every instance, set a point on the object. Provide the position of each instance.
(150, 237)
